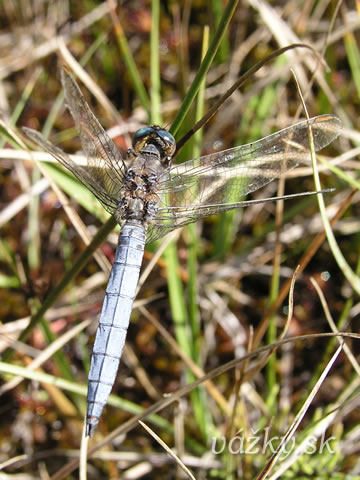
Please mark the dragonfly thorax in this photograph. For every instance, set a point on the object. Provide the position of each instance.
(138, 197)
(141, 209)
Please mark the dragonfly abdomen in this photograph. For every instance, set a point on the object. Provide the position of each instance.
(114, 320)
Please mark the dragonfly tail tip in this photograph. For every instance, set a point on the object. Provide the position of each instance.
(89, 430)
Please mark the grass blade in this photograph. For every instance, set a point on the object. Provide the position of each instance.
(205, 65)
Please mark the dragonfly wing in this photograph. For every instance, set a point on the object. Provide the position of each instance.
(84, 174)
(215, 183)
(179, 217)
(105, 168)
(226, 176)
(103, 156)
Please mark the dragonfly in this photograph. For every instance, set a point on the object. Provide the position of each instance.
(149, 197)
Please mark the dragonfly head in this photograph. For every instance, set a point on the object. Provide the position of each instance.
(153, 136)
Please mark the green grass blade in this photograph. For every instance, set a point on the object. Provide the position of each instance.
(7, 281)
(205, 65)
(260, 106)
(353, 55)
(339, 257)
(19, 108)
(155, 113)
(198, 396)
(224, 47)
(340, 173)
(194, 244)
(33, 249)
(130, 63)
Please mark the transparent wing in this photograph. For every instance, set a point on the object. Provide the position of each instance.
(105, 160)
(84, 174)
(105, 167)
(216, 182)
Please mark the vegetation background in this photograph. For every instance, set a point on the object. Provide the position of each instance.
(220, 291)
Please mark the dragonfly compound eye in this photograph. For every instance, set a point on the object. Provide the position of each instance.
(157, 136)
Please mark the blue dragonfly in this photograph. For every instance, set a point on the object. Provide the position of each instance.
(149, 197)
